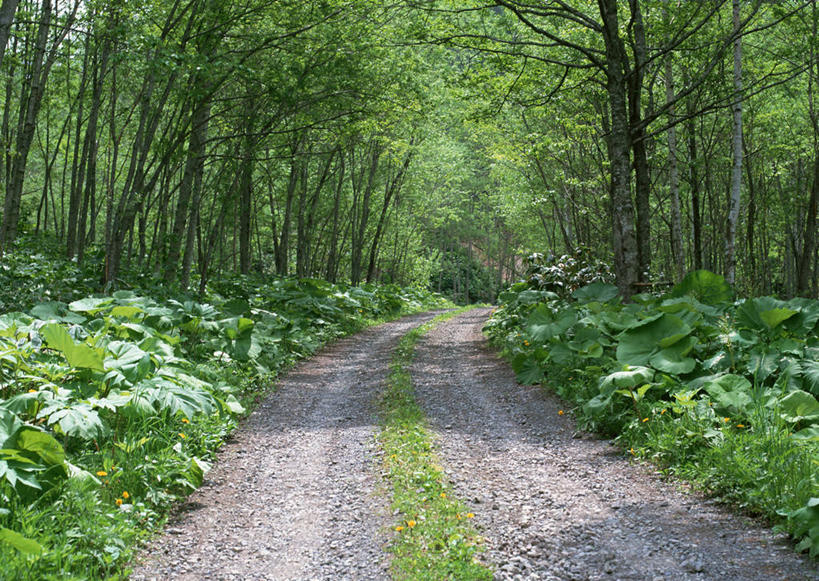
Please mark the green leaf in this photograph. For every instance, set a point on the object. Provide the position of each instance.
(638, 343)
(705, 286)
(675, 359)
(42, 444)
(91, 305)
(79, 420)
(596, 292)
(22, 544)
(810, 434)
(126, 312)
(528, 369)
(79, 356)
(763, 313)
(798, 406)
(542, 324)
(730, 392)
(9, 425)
(628, 378)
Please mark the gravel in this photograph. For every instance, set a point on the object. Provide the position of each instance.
(555, 504)
(295, 492)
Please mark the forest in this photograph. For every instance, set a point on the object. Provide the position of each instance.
(187, 177)
(414, 142)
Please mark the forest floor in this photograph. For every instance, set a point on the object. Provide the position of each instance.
(297, 492)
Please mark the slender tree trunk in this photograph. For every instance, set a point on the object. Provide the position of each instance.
(674, 181)
(359, 227)
(736, 148)
(626, 262)
(639, 145)
(332, 257)
(391, 190)
(7, 10)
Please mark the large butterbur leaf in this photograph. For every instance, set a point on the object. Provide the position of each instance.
(527, 368)
(596, 292)
(763, 313)
(674, 359)
(80, 355)
(731, 393)
(639, 343)
(705, 286)
(799, 406)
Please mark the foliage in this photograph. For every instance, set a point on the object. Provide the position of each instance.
(116, 404)
(721, 392)
(434, 538)
(565, 274)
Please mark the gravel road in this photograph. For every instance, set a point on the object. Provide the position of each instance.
(294, 493)
(556, 505)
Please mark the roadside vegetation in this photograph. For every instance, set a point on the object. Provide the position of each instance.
(434, 537)
(112, 407)
(718, 391)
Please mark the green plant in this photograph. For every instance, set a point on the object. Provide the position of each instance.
(433, 537)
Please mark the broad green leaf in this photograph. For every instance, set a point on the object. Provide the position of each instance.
(126, 311)
(730, 392)
(798, 406)
(233, 405)
(79, 420)
(596, 292)
(638, 343)
(528, 369)
(42, 444)
(628, 378)
(810, 374)
(91, 305)
(774, 317)
(705, 286)
(9, 425)
(23, 544)
(809, 434)
(675, 359)
(763, 313)
(80, 356)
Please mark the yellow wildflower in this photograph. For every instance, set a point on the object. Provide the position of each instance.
(726, 420)
(181, 435)
(102, 473)
(470, 515)
(399, 528)
(32, 391)
(662, 412)
(526, 343)
(560, 412)
(443, 495)
(645, 420)
(185, 421)
(740, 425)
(411, 523)
(125, 495)
(119, 502)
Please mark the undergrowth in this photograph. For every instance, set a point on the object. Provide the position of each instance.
(112, 407)
(434, 538)
(716, 391)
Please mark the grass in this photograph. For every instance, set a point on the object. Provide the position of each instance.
(434, 537)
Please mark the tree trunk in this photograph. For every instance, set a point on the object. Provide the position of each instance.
(736, 148)
(7, 11)
(626, 263)
(638, 144)
(674, 182)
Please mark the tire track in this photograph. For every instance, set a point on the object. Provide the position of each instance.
(293, 492)
(555, 506)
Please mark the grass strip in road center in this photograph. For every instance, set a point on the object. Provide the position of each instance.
(435, 537)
